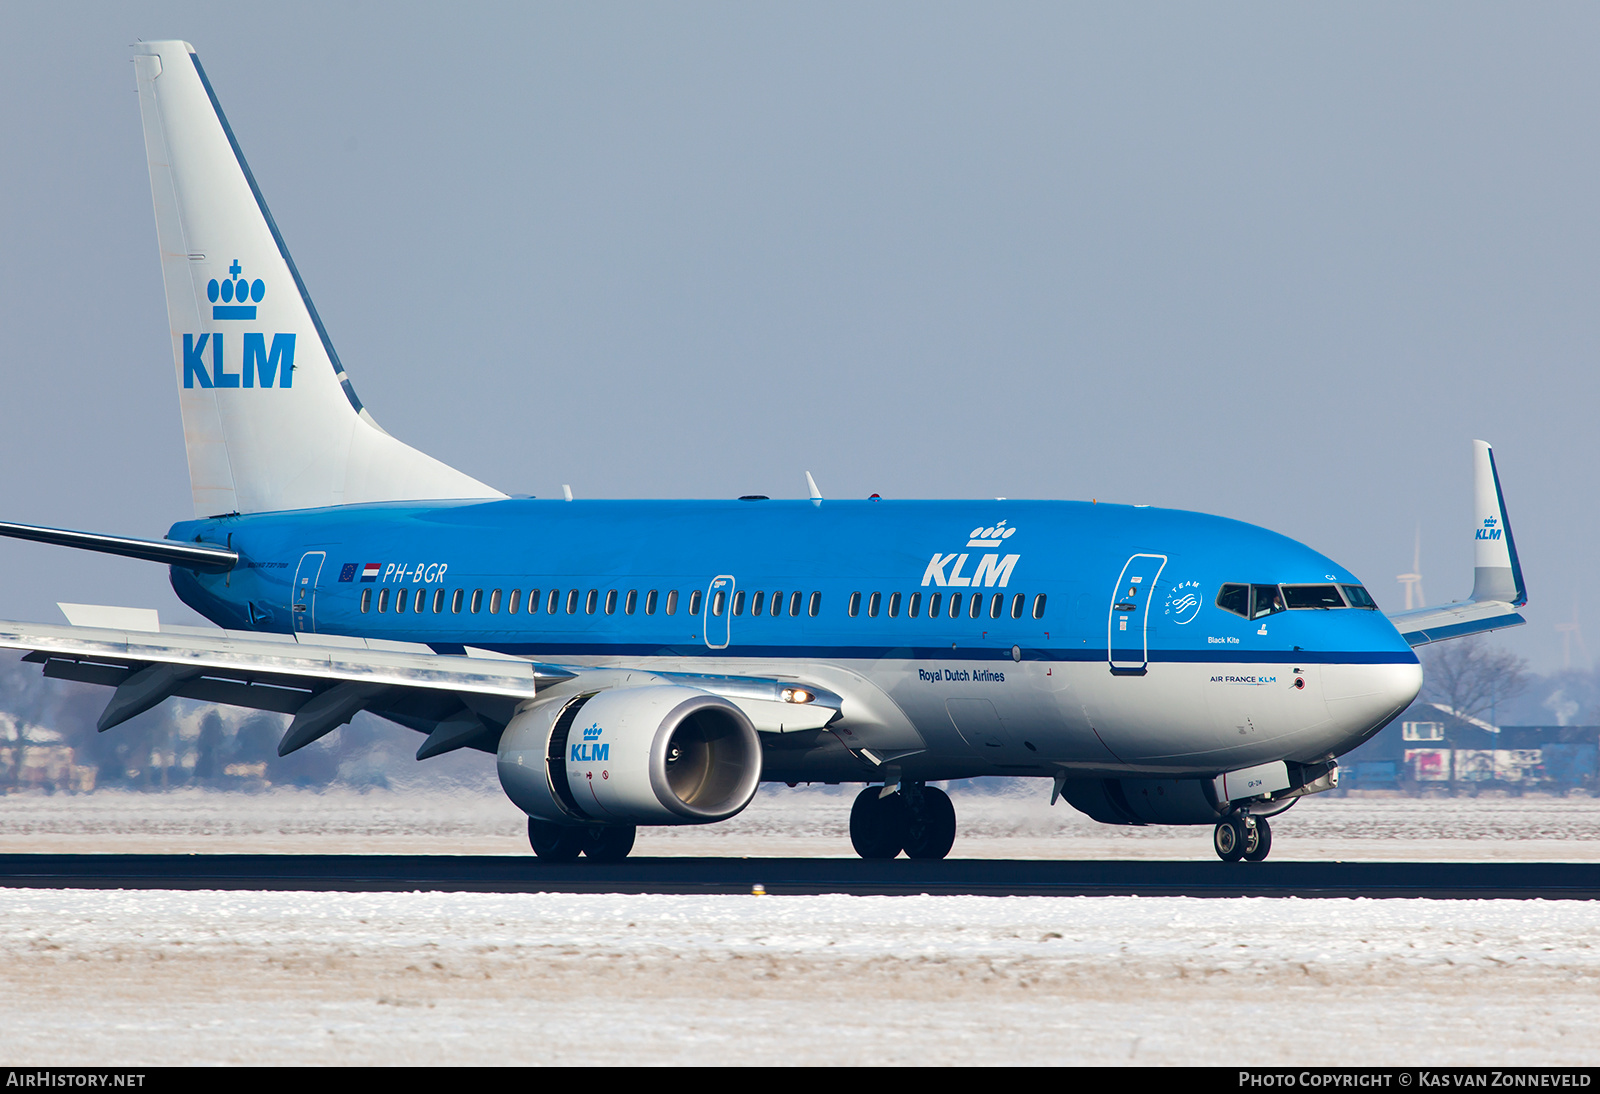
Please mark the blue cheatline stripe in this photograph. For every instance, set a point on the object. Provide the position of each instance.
(272, 226)
(791, 654)
(1458, 630)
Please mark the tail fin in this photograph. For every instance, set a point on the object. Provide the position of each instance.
(270, 419)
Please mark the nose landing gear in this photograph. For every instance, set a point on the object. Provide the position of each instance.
(1242, 836)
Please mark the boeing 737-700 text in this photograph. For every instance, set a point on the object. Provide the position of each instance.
(636, 663)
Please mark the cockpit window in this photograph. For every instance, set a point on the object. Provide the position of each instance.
(1235, 599)
(1313, 596)
(1265, 600)
(1359, 597)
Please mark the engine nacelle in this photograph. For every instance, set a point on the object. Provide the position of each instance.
(646, 755)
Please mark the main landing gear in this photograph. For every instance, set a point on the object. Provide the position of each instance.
(564, 843)
(1242, 836)
(916, 819)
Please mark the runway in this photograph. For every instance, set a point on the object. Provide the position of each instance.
(803, 876)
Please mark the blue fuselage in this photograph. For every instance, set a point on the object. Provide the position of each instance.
(1063, 634)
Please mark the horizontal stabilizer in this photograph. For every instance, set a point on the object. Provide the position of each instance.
(1497, 585)
(205, 558)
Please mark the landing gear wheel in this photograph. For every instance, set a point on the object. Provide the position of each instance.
(878, 825)
(556, 842)
(1228, 839)
(930, 823)
(609, 844)
(1262, 844)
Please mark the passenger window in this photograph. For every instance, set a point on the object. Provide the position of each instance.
(995, 604)
(758, 600)
(516, 600)
(1235, 599)
(816, 604)
(572, 601)
(552, 602)
(366, 600)
(716, 602)
(672, 602)
(494, 602)
(650, 602)
(591, 602)
(421, 601)
(631, 602)
(794, 604)
(872, 604)
(933, 604)
(1312, 596)
(401, 598)
(1038, 606)
(915, 606)
(894, 605)
(383, 600)
(738, 603)
(455, 600)
(976, 608)
(477, 600)
(955, 605)
(777, 603)
(1265, 600)
(694, 602)
(438, 601)
(855, 605)
(1016, 606)
(611, 602)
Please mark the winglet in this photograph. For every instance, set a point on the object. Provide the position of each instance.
(811, 485)
(1497, 575)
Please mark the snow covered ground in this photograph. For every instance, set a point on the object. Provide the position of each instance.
(124, 978)
(1008, 819)
(130, 978)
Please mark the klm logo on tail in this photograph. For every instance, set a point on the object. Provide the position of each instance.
(1490, 529)
(259, 362)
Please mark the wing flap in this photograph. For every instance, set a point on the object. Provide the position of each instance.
(1455, 620)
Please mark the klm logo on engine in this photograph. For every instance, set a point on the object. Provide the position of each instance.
(591, 750)
(992, 569)
(260, 365)
(1490, 529)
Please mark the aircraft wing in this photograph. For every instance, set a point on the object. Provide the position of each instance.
(459, 700)
(1497, 586)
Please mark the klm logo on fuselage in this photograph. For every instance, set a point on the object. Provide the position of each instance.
(1490, 529)
(591, 750)
(992, 569)
(260, 365)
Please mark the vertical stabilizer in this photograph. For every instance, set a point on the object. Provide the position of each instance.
(270, 419)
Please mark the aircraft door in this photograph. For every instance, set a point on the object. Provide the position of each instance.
(1126, 645)
(718, 627)
(303, 600)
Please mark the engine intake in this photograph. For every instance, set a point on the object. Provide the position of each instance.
(644, 755)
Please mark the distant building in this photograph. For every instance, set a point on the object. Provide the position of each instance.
(1431, 748)
(35, 758)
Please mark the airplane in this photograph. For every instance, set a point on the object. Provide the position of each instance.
(637, 663)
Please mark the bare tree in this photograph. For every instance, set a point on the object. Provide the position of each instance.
(1472, 677)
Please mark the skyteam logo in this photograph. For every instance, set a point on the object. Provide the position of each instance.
(1490, 529)
(993, 569)
(234, 291)
(236, 297)
(1183, 602)
(590, 751)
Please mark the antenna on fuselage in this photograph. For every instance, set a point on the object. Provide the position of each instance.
(811, 485)
(1413, 580)
(566, 492)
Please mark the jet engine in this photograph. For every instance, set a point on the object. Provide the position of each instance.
(643, 755)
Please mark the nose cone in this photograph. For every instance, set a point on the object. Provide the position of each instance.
(1362, 699)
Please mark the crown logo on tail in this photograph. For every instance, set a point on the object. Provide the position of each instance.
(238, 296)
